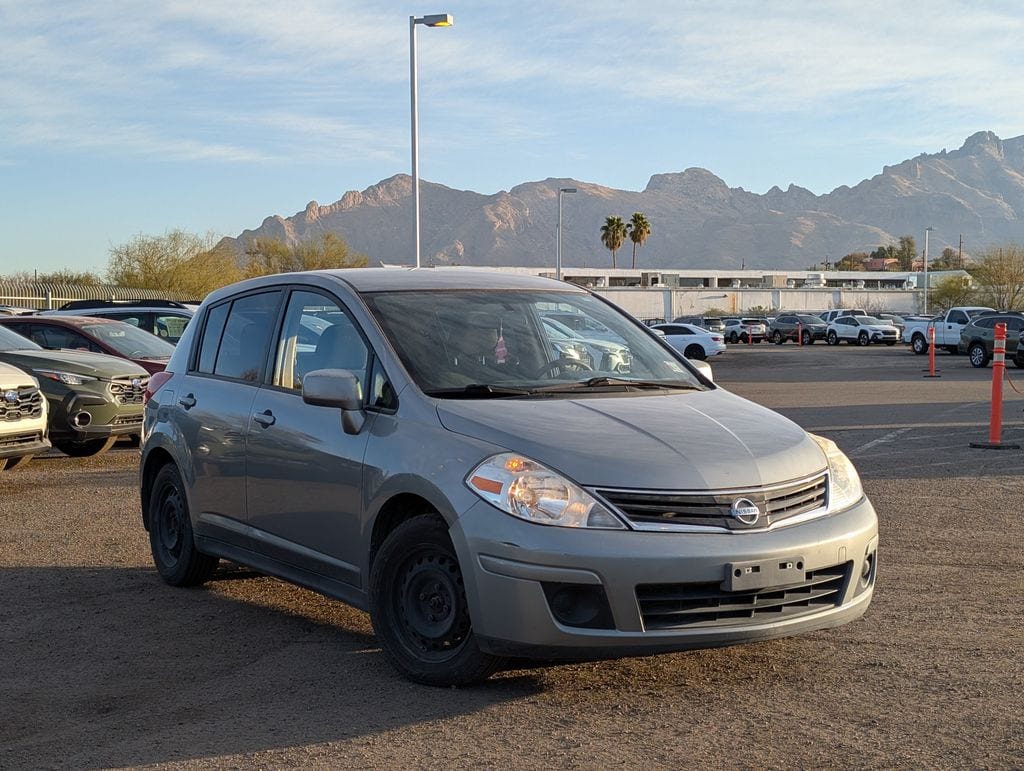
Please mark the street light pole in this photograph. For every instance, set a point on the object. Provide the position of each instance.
(927, 230)
(433, 20)
(558, 233)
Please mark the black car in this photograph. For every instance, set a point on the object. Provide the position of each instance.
(785, 328)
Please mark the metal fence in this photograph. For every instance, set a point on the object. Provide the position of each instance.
(40, 295)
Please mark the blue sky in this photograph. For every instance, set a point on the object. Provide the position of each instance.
(119, 117)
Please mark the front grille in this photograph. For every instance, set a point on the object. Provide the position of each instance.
(128, 390)
(126, 420)
(657, 510)
(20, 440)
(29, 404)
(678, 606)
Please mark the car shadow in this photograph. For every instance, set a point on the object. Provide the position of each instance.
(111, 667)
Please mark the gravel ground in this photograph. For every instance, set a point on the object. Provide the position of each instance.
(102, 665)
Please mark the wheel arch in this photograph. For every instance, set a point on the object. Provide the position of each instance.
(397, 509)
(155, 460)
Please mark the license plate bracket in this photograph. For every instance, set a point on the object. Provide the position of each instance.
(760, 574)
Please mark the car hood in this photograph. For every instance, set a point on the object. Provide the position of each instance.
(77, 362)
(879, 327)
(693, 440)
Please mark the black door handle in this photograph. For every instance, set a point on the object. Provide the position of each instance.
(265, 419)
(188, 402)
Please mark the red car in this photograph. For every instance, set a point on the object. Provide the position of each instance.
(92, 333)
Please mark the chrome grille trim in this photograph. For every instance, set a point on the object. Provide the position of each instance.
(781, 505)
(125, 393)
(29, 406)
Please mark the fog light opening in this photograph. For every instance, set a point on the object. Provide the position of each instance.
(867, 570)
(579, 605)
(82, 419)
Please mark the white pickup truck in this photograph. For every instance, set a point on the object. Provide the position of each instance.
(948, 327)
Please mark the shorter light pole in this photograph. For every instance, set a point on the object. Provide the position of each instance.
(927, 230)
(558, 233)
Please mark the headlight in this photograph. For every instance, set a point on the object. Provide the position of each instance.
(844, 483)
(526, 489)
(67, 378)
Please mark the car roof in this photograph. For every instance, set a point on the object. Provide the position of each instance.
(392, 279)
(63, 320)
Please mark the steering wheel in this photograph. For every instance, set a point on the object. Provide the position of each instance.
(561, 363)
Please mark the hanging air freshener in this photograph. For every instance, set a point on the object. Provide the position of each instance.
(500, 351)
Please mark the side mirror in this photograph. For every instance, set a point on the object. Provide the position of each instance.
(703, 368)
(336, 388)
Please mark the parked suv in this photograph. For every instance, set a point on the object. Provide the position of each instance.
(96, 334)
(166, 319)
(862, 330)
(977, 339)
(92, 398)
(22, 418)
(710, 323)
(786, 326)
(433, 460)
(829, 316)
(745, 330)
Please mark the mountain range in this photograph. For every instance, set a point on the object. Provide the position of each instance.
(696, 219)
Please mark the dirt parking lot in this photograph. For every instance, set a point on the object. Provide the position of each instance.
(102, 665)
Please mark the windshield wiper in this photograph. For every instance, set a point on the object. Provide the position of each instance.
(604, 381)
(479, 391)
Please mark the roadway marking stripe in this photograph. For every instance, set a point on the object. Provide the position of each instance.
(881, 440)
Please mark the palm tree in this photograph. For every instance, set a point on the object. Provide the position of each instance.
(613, 235)
(639, 231)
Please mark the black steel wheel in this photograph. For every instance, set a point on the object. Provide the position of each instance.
(419, 610)
(171, 541)
(85, 448)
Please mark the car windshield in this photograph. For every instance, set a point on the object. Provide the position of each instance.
(131, 342)
(497, 343)
(868, 320)
(809, 320)
(12, 341)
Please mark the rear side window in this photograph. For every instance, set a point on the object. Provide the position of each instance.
(215, 318)
(242, 352)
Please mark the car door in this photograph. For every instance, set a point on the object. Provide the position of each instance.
(212, 409)
(304, 473)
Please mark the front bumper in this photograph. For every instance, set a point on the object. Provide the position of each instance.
(105, 418)
(511, 569)
(20, 445)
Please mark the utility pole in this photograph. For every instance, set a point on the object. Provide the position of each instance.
(960, 253)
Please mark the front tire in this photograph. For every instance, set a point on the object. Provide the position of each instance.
(419, 610)
(177, 560)
(777, 337)
(863, 339)
(86, 448)
(978, 355)
(807, 338)
(832, 338)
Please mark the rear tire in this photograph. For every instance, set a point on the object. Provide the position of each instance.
(171, 540)
(777, 337)
(419, 610)
(694, 351)
(978, 355)
(86, 448)
(733, 337)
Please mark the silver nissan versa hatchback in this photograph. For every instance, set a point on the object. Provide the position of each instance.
(414, 443)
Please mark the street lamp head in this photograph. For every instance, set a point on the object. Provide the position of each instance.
(435, 20)
(566, 190)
